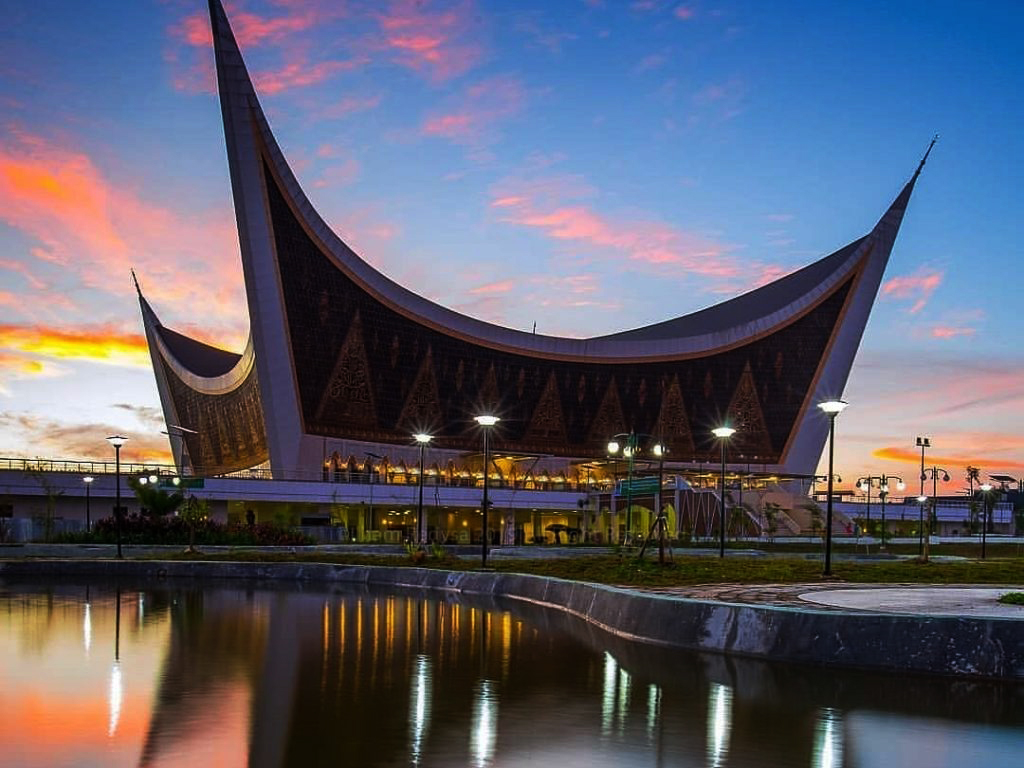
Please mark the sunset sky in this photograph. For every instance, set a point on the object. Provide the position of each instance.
(585, 165)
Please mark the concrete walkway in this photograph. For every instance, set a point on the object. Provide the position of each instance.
(915, 599)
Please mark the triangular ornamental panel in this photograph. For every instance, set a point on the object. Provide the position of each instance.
(751, 440)
(422, 409)
(608, 420)
(349, 396)
(547, 422)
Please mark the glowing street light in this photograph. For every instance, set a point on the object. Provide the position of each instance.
(88, 480)
(117, 441)
(422, 438)
(831, 408)
(487, 421)
(723, 434)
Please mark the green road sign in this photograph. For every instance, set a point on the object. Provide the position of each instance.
(183, 483)
(638, 485)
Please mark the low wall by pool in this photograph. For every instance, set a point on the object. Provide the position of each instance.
(969, 647)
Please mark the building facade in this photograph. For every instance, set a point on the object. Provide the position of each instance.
(343, 365)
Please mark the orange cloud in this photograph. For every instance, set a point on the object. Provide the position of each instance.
(919, 287)
(951, 463)
(440, 44)
(97, 228)
(101, 345)
(84, 441)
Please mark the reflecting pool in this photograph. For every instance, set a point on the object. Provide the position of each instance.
(129, 675)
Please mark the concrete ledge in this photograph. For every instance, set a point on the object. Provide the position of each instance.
(967, 647)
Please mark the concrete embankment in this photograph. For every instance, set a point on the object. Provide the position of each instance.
(959, 646)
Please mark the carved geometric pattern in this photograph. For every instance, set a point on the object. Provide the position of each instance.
(547, 422)
(470, 376)
(673, 423)
(238, 412)
(349, 395)
(488, 396)
(608, 420)
(422, 409)
(746, 416)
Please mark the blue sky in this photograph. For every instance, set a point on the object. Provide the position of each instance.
(588, 166)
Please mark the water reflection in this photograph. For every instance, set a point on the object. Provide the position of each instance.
(828, 740)
(719, 723)
(281, 678)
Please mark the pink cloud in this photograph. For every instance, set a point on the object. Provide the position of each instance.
(441, 44)
(479, 107)
(350, 105)
(342, 170)
(252, 30)
(948, 332)
(684, 13)
(22, 269)
(919, 287)
(301, 74)
(502, 286)
(651, 242)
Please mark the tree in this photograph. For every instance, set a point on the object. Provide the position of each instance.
(193, 512)
(155, 502)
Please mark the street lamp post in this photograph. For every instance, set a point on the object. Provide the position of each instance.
(832, 408)
(117, 441)
(934, 473)
(486, 421)
(987, 489)
(866, 483)
(723, 434)
(422, 438)
(921, 501)
(88, 485)
(629, 451)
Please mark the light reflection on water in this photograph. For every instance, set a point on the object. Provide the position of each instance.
(224, 676)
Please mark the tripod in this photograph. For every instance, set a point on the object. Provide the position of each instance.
(660, 525)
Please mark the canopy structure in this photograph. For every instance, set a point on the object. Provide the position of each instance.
(339, 355)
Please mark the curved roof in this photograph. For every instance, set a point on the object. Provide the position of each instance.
(706, 330)
(338, 351)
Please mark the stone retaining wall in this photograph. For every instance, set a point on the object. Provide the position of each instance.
(969, 647)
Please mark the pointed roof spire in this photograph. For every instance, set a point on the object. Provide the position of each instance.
(925, 158)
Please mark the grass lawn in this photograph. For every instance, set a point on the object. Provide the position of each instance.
(683, 570)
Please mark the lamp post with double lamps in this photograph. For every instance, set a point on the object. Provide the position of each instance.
(629, 449)
(422, 438)
(883, 493)
(866, 483)
(831, 408)
(723, 434)
(88, 479)
(487, 421)
(117, 441)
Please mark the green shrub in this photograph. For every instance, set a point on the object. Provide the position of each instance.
(173, 530)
